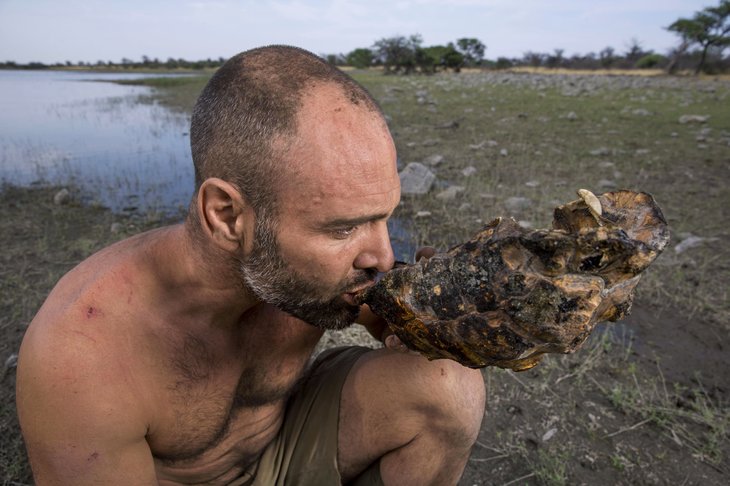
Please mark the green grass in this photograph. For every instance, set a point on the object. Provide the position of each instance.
(177, 92)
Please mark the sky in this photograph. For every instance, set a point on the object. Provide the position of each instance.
(51, 31)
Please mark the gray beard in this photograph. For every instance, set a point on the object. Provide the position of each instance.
(270, 279)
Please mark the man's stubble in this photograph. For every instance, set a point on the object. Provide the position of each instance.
(271, 279)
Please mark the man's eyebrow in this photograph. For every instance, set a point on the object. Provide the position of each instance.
(347, 222)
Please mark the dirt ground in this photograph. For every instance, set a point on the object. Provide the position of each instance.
(644, 401)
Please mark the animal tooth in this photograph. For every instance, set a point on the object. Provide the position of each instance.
(593, 203)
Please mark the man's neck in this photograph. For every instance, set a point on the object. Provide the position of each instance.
(199, 280)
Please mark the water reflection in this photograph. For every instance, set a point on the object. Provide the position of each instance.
(121, 149)
(60, 128)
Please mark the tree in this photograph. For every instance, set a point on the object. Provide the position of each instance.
(555, 60)
(360, 58)
(471, 49)
(634, 51)
(397, 54)
(709, 28)
(534, 59)
(607, 57)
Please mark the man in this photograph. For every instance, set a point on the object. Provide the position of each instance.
(179, 356)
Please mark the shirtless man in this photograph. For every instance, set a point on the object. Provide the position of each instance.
(180, 356)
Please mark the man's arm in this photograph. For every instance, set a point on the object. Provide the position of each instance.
(81, 420)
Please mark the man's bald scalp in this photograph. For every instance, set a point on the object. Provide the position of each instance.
(249, 106)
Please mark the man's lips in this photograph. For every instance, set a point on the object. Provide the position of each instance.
(353, 297)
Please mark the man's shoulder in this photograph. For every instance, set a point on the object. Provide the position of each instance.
(95, 311)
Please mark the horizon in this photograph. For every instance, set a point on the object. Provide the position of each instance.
(93, 30)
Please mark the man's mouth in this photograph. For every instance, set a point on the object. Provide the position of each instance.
(354, 296)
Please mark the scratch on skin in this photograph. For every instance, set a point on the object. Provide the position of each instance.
(86, 336)
(92, 312)
(93, 457)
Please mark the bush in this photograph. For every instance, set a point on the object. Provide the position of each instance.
(651, 61)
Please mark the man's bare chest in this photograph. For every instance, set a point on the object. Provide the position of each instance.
(227, 403)
(239, 408)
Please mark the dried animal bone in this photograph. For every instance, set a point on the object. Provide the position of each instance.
(510, 295)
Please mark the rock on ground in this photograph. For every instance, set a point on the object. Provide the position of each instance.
(416, 178)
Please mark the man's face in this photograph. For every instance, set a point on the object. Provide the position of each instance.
(330, 237)
(273, 281)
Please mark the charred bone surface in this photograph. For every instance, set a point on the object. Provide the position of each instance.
(510, 295)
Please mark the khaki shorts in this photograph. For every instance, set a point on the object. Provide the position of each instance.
(304, 453)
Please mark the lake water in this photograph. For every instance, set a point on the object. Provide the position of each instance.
(114, 144)
(118, 147)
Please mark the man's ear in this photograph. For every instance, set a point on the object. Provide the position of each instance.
(223, 212)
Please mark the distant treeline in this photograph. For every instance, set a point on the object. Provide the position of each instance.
(401, 55)
(125, 63)
(703, 40)
(406, 55)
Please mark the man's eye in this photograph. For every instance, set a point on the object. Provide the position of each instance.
(344, 233)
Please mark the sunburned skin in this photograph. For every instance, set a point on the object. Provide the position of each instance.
(205, 407)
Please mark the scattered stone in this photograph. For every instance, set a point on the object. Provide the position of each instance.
(411, 144)
(503, 152)
(492, 143)
(423, 214)
(464, 207)
(416, 179)
(674, 134)
(642, 151)
(641, 112)
(469, 171)
(600, 151)
(453, 124)
(532, 183)
(62, 197)
(684, 119)
(477, 146)
(449, 193)
(606, 184)
(430, 142)
(571, 116)
(690, 241)
(434, 159)
(10, 363)
(516, 203)
(549, 434)
(487, 195)
(525, 224)
(116, 228)
(605, 164)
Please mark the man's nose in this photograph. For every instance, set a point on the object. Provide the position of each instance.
(377, 252)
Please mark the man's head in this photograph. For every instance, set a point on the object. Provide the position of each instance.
(295, 176)
(245, 117)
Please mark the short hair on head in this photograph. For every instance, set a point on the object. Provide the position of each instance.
(251, 102)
